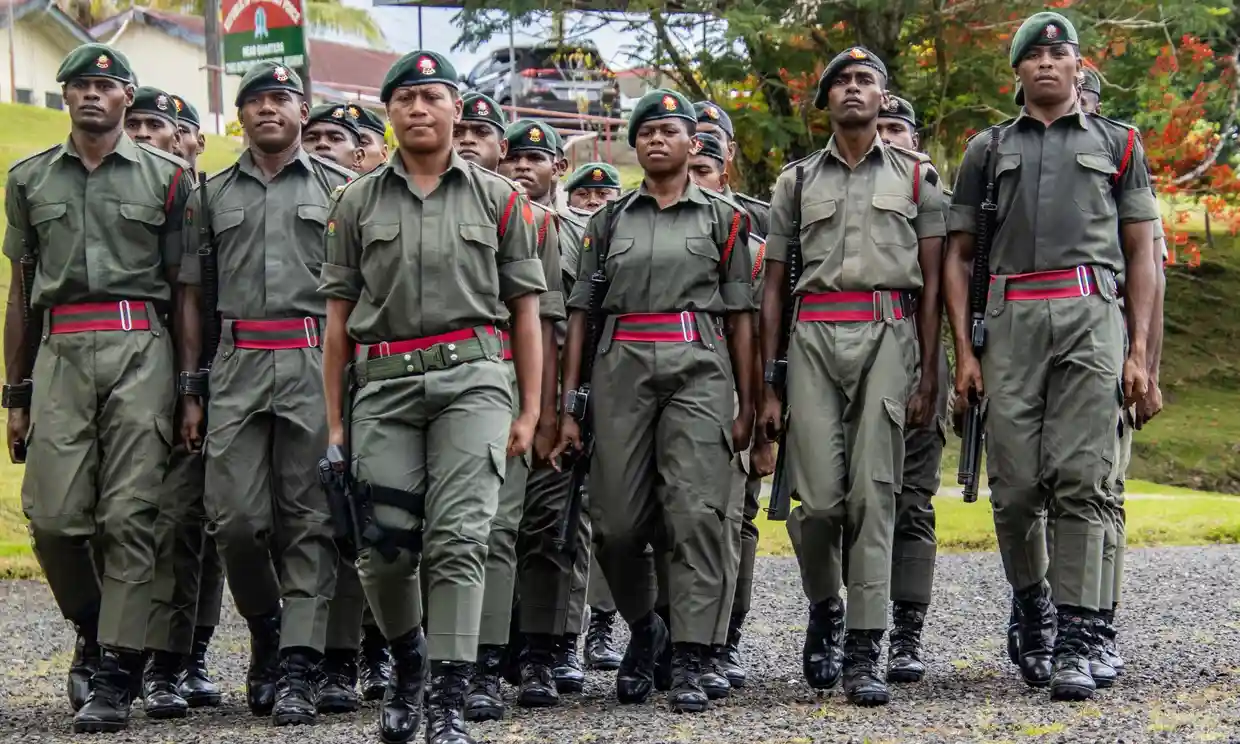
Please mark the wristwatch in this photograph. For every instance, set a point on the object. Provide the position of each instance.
(17, 396)
(776, 373)
(192, 383)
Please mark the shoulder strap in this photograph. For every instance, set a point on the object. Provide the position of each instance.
(1123, 164)
(543, 229)
(172, 190)
(726, 252)
(917, 182)
(503, 221)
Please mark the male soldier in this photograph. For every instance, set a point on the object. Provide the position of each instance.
(372, 133)
(97, 222)
(913, 549)
(333, 134)
(714, 120)
(432, 406)
(1055, 337)
(591, 186)
(479, 136)
(152, 120)
(263, 218)
(528, 149)
(868, 264)
(189, 577)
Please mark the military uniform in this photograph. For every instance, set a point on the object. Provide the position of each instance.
(433, 406)
(852, 366)
(107, 240)
(663, 402)
(264, 423)
(1054, 353)
(709, 112)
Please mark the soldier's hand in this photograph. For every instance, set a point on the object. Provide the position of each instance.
(770, 417)
(521, 435)
(1136, 381)
(968, 377)
(920, 408)
(1149, 406)
(742, 430)
(570, 436)
(19, 430)
(191, 423)
(762, 458)
(544, 437)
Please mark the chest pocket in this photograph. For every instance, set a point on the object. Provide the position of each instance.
(141, 224)
(1007, 179)
(226, 219)
(476, 253)
(616, 251)
(311, 222)
(1091, 183)
(817, 223)
(381, 256)
(891, 221)
(43, 219)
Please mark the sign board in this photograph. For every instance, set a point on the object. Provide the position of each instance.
(262, 31)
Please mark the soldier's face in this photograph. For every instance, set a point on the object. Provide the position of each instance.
(477, 142)
(154, 130)
(897, 132)
(711, 128)
(707, 173)
(1048, 73)
(1090, 102)
(591, 200)
(855, 96)
(534, 170)
(190, 144)
(273, 119)
(334, 142)
(374, 150)
(97, 104)
(423, 116)
(663, 145)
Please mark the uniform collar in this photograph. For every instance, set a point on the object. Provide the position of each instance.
(125, 147)
(455, 163)
(833, 150)
(247, 165)
(1076, 113)
(692, 193)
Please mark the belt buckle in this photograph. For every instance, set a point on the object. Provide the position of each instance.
(385, 349)
(1082, 280)
(311, 327)
(432, 355)
(686, 325)
(876, 302)
(126, 315)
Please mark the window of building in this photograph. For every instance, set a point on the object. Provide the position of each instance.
(54, 101)
(26, 96)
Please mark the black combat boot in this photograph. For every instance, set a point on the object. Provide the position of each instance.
(1013, 633)
(567, 672)
(862, 684)
(86, 655)
(197, 687)
(260, 680)
(1106, 629)
(294, 704)
(728, 659)
(1099, 663)
(444, 722)
(337, 689)
(484, 701)
(822, 656)
(111, 693)
(538, 688)
(688, 663)
(904, 662)
(401, 715)
(159, 687)
(600, 654)
(663, 663)
(1070, 677)
(375, 666)
(635, 677)
(1037, 634)
(712, 679)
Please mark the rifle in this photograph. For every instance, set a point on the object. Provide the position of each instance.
(350, 502)
(577, 402)
(974, 434)
(780, 503)
(19, 395)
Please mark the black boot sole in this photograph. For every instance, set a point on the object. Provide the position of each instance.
(99, 727)
(337, 707)
(569, 686)
(1071, 693)
(204, 700)
(603, 666)
(690, 706)
(166, 714)
(870, 699)
(537, 701)
(630, 698)
(293, 719)
(484, 713)
(904, 676)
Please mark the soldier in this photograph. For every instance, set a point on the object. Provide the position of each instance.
(152, 120)
(714, 120)
(914, 548)
(333, 134)
(432, 409)
(591, 186)
(479, 136)
(1055, 338)
(372, 132)
(263, 217)
(96, 221)
(188, 586)
(871, 218)
(678, 267)
(528, 148)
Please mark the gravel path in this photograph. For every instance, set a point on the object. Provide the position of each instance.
(1180, 635)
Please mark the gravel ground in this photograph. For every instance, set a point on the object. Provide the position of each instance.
(1180, 633)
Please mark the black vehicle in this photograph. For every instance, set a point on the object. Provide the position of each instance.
(570, 79)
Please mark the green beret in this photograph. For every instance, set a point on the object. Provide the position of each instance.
(660, 104)
(530, 134)
(1091, 82)
(417, 68)
(364, 118)
(333, 113)
(186, 113)
(266, 76)
(709, 145)
(898, 108)
(593, 176)
(708, 112)
(855, 56)
(148, 100)
(1041, 29)
(479, 107)
(95, 60)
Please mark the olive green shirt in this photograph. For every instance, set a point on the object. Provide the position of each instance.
(669, 260)
(421, 265)
(551, 302)
(860, 227)
(267, 236)
(1058, 205)
(571, 234)
(110, 234)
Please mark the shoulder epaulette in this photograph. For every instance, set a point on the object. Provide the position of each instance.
(222, 172)
(479, 171)
(920, 157)
(742, 198)
(32, 156)
(1122, 125)
(178, 162)
(332, 166)
(980, 132)
(795, 163)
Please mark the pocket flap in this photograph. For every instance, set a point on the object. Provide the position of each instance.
(376, 231)
(146, 213)
(897, 203)
(227, 219)
(484, 234)
(313, 213)
(704, 247)
(1097, 162)
(1008, 161)
(43, 212)
(619, 245)
(895, 410)
(821, 210)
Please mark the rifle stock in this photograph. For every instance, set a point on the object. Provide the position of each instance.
(32, 321)
(209, 260)
(779, 506)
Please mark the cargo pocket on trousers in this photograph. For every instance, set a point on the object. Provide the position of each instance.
(499, 460)
(889, 465)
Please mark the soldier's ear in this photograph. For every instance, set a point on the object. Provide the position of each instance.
(304, 108)
(202, 143)
(503, 149)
